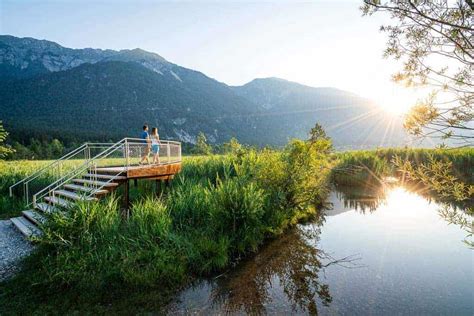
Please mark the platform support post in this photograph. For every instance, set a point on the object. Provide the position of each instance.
(158, 187)
(126, 194)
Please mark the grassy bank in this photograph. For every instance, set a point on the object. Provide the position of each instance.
(364, 166)
(216, 211)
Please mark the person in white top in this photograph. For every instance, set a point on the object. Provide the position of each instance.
(155, 145)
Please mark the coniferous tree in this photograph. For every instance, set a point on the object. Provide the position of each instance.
(202, 147)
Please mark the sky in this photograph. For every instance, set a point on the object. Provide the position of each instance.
(318, 43)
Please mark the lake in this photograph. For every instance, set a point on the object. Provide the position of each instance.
(376, 251)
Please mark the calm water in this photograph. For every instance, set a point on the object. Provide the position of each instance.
(380, 252)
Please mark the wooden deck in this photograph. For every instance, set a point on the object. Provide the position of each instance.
(152, 171)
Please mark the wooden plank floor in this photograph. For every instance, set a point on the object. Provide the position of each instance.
(143, 171)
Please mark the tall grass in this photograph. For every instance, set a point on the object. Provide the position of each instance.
(11, 173)
(216, 211)
(358, 167)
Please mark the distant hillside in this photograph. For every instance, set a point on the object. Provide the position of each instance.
(106, 94)
(292, 109)
(114, 99)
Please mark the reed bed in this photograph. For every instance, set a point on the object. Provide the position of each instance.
(217, 211)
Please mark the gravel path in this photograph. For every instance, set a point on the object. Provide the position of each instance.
(13, 247)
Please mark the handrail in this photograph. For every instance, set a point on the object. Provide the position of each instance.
(73, 172)
(141, 140)
(86, 147)
(124, 144)
(85, 166)
(32, 176)
(137, 141)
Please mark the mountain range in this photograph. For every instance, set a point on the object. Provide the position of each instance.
(94, 94)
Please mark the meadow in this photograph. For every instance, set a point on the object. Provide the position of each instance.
(218, 210)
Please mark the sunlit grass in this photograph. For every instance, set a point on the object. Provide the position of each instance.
(215, 212)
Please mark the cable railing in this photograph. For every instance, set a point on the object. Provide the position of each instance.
(55, 169)
(118, 158)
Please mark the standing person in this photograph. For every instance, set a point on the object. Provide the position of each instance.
(146, 140)
(155, 145)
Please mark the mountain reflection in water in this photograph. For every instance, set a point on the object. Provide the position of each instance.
(377, 251)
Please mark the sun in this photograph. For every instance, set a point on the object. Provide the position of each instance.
(397, 101)
(396, 107)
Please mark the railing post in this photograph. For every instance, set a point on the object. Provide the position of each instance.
(168, 152)
(127, 154)
(179, 152)
(26, 192)
(34, 201)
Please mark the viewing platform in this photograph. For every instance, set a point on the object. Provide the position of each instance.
(91, 172)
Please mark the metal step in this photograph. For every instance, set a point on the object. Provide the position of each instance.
(108, 171)
(57, 201)
(104, 176)
(46, 208)
(73, 196)
(81, 188)
(25, 226)
(96, 183)
(34, 217)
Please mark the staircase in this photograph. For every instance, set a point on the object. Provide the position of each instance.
(96, 177)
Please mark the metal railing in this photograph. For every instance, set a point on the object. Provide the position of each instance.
(56, 168)
(118, 157)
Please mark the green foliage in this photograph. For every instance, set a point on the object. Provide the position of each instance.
(12, 172)
(217, 210)
(437, 175)
(316, 133)
(358, 167)
(36, 149)
(3, 135)
(202, 147)
(232, 146)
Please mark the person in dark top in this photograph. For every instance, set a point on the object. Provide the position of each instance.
(146, 140)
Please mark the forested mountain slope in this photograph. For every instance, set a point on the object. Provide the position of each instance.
(82, 94)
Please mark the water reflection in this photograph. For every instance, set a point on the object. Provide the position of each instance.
(370, 196)
(362, 199)
(289, 261)
(379, 250)
(283, 277)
